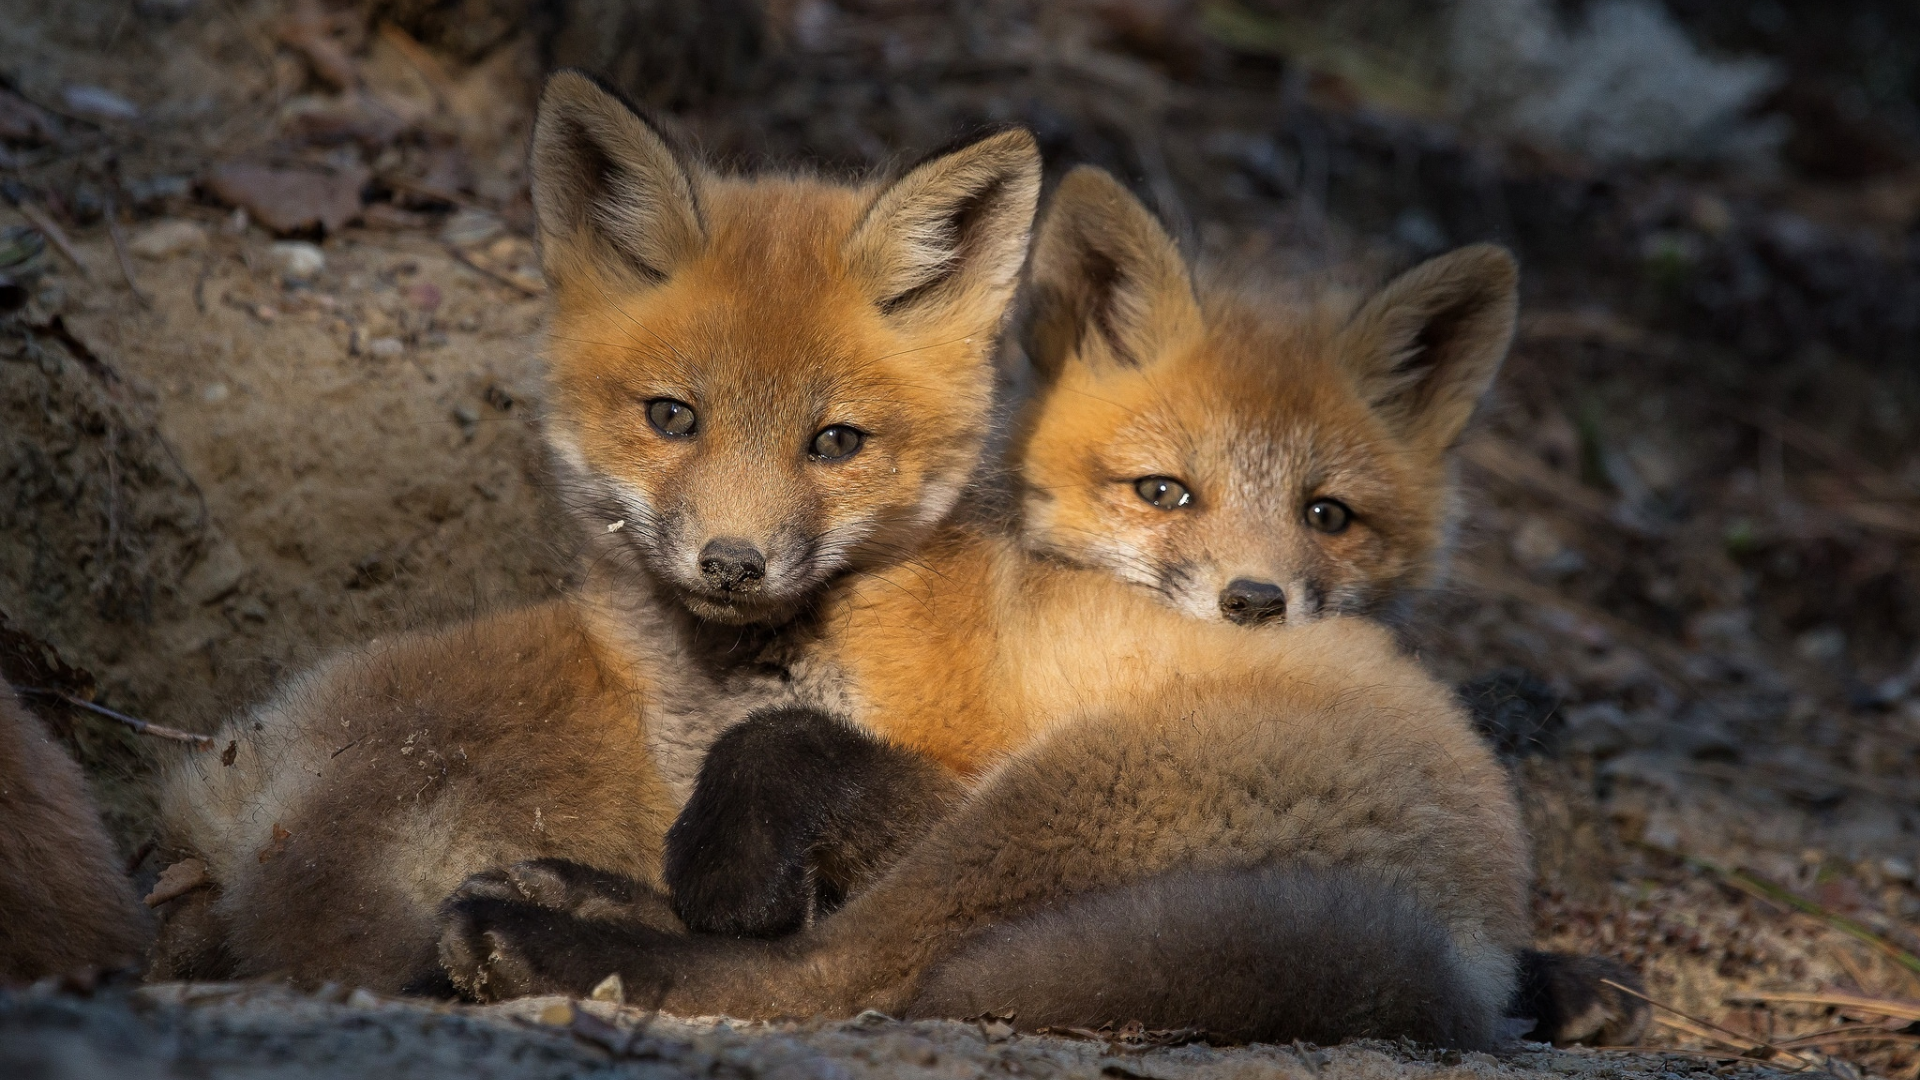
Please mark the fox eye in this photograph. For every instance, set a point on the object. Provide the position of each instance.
(671, 418)
(836, 441)
(1163, 491)
(1329, 515)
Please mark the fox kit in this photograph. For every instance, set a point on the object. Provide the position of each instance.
(64, 905)
(1300, 811)
(758, 386)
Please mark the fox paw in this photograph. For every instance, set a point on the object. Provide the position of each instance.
(570, 888)
(1580, 999)
(495, 948)
(491, 947)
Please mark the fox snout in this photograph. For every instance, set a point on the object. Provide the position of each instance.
(1249, 603)
(731, 565)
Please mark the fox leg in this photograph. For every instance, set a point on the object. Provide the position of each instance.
(793, 812)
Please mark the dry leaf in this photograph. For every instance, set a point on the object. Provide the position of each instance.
(177, 880)
(279, 845)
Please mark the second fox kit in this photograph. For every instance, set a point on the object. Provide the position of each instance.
(1237, 463)
(758, 385)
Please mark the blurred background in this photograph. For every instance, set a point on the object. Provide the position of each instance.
(268, 381)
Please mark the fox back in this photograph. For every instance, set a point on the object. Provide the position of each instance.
(1247, 456)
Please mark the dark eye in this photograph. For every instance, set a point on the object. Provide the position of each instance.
(1329, 515)
(837, 441)
(1163, 491)
(669, 417)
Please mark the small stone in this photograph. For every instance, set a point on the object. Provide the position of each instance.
(386, 348)
(611, 989)
(298, 260)
(1821, 645)
(215, 393)
(99, 102)
(362, 998)
(165, 239)
(557, 1014)
(469, 226)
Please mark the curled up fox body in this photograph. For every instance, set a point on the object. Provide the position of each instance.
(1140, 809)
(758, 385)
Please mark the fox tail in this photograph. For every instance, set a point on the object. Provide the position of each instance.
(1271, 954)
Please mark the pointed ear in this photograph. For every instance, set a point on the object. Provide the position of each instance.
(1108, 282)
(949, 236)
(1425, 348)
(610, 196)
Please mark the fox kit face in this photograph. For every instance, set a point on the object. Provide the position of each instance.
(760, 383)
(1253, 466)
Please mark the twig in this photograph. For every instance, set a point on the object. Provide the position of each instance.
(39, 219)
(1738, 1039)
(503, 278)
(120, 254)
(401, 183)
(1855, 1034)
(1894, 1007)
(143, 727)
(422, 61)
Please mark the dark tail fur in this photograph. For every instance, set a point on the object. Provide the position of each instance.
(1266, 955)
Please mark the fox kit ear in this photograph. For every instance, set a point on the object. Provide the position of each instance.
(950, 235)
(611, 197)
(1427, 346)
(1108, 282)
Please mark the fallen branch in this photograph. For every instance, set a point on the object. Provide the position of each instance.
(160, 731)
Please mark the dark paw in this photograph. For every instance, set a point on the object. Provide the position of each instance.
(495, 949)
(568, 887)
(1579, 999)
(760, 898)
(739, 856)
(491, 947)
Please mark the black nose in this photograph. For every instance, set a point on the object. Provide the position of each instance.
(732, 564)
(1249, 602)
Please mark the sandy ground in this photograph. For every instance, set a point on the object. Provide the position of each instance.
(221, 1031)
